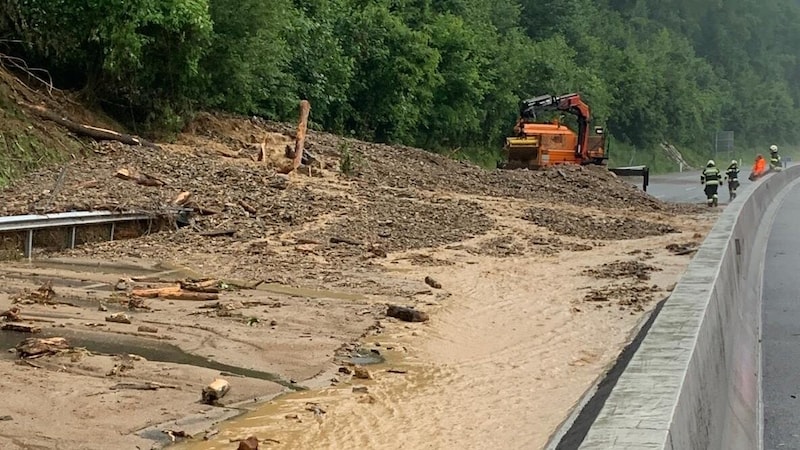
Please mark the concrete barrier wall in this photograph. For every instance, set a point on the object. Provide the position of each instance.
(694, 383)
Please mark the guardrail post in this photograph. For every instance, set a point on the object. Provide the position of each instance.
(28, 251)
(72, 234)
(112, 231)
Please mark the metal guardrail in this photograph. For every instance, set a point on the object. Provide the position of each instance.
(31, 222)
(634, 171)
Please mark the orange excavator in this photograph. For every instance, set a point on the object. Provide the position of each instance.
(537, 145)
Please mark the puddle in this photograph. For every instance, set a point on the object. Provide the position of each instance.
(310, 293)
(365, 357)
(91, 267)
(150, 350)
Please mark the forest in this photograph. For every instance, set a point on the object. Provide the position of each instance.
(445, 75)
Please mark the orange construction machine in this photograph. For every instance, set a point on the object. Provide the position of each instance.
(536, 145)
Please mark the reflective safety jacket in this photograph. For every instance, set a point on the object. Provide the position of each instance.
(732, 173)
(775, 161)
(710, 176)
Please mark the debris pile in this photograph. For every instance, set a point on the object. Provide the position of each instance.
(588, 226)
(622, 269)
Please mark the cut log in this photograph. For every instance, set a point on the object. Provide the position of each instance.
(182, 198)
(208, 286)
(215, 391)
(406, 314)
(302, 126)
(35, 347)
(20, 327)
(156, 292)
(217, 233)
(100, 134)
(174, 293)
(192, 296)
(139, 178)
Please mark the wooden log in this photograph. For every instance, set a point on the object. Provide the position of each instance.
(247, 207)
(20, 327)
(191, 296)
(215, 391)
(208, 286)
(155, 292)
(182, 198)
(148, 386)
(406, 314)
(119, 318)
(35, 347)
(174, 293)
(217, 233)
(302, 126)
(139, 178)
(11, 315)
(100, 134)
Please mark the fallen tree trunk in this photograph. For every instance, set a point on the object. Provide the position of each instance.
(101, 134)
(215, 391)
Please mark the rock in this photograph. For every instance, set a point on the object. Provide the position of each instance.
(345, 370)
(119, 318)
(122, 285)
(362, 373)
(360, 389)
(147, 329)
(432, 283)
(102, 308)
(215, 391)
(291, 416)
(251, 443)
(6, 418)
(406, 314)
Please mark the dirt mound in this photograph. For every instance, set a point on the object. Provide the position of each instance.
(588, 226)
(405, 167)
(626, 295)
(622, 269)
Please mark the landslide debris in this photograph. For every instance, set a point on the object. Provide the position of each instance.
(588, 226)
(622, 269)
(262, 225)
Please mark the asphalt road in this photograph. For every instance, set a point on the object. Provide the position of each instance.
(685, 187)
(781, 329)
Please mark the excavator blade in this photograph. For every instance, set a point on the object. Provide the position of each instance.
(522, 149)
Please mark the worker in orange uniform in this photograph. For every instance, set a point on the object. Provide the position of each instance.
(759, 167)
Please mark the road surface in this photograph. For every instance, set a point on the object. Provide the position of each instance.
(685, 187)
(781, 329)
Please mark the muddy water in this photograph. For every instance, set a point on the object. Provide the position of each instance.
(147, 349)
(500, 365)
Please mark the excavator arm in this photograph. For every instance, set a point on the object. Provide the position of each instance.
(570, 103)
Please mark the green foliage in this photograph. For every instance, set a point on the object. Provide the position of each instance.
(446, 75)
(350, 162)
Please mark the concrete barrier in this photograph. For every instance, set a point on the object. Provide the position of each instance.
(695, 381)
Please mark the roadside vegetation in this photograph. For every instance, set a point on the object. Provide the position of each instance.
(443, 75)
